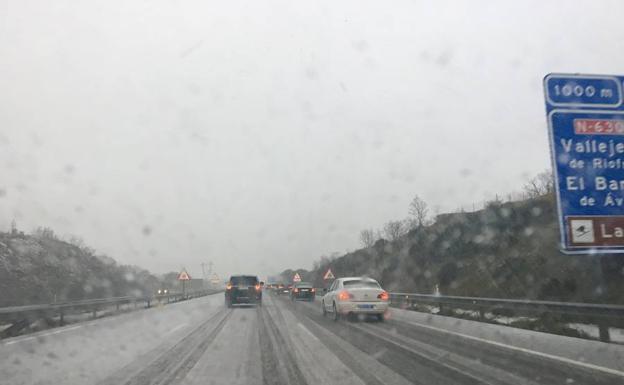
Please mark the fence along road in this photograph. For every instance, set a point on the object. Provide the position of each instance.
(20, 317)
(602, 315)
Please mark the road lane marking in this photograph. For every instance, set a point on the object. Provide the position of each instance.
(308, 332)
(63, 330)
(427, 356)
(54, 332)
(570, 361)
(19, 340)
(463, 363)
(180, 326)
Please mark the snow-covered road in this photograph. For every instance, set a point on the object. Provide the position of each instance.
(202, 342)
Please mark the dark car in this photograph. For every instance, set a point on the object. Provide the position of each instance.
(304, 291)
(282, 289)
(243, 289)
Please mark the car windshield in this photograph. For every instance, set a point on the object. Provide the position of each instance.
(361, 284)
(432, 191)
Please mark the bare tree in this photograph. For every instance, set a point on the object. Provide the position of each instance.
(394, 230)
(418, 211)
(541, 184)
(44, 233)
(367, 237)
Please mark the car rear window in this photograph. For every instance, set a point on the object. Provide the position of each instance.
(360, 283)
(303, 284)
(249, 281)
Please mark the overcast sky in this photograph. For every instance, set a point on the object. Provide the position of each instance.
(262, 134)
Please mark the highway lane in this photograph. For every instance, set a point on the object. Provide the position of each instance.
(202, 342)
(461, 359)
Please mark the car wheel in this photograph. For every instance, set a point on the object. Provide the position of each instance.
(380, 317)
(323, 309)
(336, 314)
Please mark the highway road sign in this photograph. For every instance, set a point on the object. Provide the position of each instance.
(297, 278)
(329, 275)
(184, 276)
(586, 129)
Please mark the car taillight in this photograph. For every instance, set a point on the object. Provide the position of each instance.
(258, 287)
(344, 295)
(228, 286)
(296, 290)
(313, 290)
(384, 296)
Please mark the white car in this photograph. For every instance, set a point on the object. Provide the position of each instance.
(354, 296)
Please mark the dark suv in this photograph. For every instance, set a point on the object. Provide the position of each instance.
(243, 289)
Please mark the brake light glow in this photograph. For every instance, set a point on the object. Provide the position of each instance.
(228, 286)
(313, 290)
(258, 287)
(296, 290)
(344, 295)
(384, 296)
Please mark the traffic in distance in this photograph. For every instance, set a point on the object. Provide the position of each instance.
(345, 298)
(319, 192)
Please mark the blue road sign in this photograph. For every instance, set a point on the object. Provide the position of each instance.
(586, 128)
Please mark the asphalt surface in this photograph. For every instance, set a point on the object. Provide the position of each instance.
(202, 342)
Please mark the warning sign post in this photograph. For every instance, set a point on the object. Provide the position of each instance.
(184, 276)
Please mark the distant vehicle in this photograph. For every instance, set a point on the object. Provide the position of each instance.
(355, 296)
(162, 291)
(282, 289)
(243, 289)
(304, 291)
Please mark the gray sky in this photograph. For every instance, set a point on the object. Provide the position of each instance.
(263, 134)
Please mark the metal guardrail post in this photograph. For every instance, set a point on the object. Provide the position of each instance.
(603, 330)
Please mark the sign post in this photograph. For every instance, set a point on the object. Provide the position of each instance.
(328, 275)
(184, 276)
(586, 129)
(297, 278)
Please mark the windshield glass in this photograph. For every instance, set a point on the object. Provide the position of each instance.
(432, 191)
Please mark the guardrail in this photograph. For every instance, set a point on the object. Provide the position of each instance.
(20, 317)
(602, 315)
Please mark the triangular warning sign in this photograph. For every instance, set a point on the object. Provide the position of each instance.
(184, 276)
(329, 275)
(297, 278)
